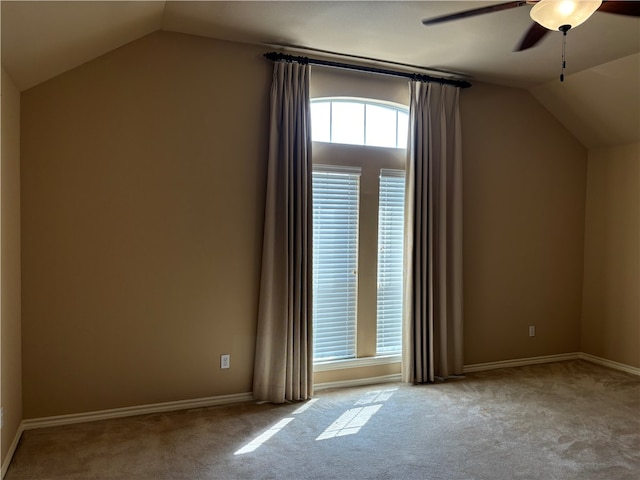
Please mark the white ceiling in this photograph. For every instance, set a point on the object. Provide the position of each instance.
(43, 39)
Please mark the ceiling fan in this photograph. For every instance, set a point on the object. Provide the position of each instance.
(548, 15)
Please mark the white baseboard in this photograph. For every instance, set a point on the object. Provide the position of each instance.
(609, 363)
(12, 450)
(394, 377)
(42, 422)
(520, 362)
(32, 423)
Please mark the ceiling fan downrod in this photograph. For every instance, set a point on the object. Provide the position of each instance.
(564, 29)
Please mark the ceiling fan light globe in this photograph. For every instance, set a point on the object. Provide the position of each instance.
(553, 14)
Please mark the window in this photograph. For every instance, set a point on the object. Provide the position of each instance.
(358, 228)
(359, 122)
(390, 261)
(335, 261)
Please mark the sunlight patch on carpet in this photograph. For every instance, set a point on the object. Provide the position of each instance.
(350, 422)
(376, 396)
(263, 437)
(305, 406)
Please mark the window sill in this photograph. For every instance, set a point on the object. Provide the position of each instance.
(356, 363)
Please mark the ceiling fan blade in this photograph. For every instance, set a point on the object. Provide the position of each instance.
(533, 36)
(631, 9)
(472, 13)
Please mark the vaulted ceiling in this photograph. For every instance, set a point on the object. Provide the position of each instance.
(43, 39)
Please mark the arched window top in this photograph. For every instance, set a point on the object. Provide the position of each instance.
(359, 121)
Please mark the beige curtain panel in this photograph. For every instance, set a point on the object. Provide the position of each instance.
(284, 361)
(432, 332)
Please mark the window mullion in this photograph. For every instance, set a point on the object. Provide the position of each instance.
(331, 122)
(367, 259)
(364, 123)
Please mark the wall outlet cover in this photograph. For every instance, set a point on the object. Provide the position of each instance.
(225, 361)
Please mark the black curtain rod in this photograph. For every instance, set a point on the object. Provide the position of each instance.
(277, 57)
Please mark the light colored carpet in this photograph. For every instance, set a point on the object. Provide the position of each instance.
(567, 420)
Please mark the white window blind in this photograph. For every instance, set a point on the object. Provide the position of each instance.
(335, 256)
(390, 261)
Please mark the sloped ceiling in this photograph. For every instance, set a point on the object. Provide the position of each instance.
(600, 106)
(43, 39)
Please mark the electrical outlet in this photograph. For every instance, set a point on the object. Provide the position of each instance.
(225, 361)
(532, 330)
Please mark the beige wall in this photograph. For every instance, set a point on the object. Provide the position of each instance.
(10, 250)
(611, 301)
(142, 210)
(143, 190)
(524, 187)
